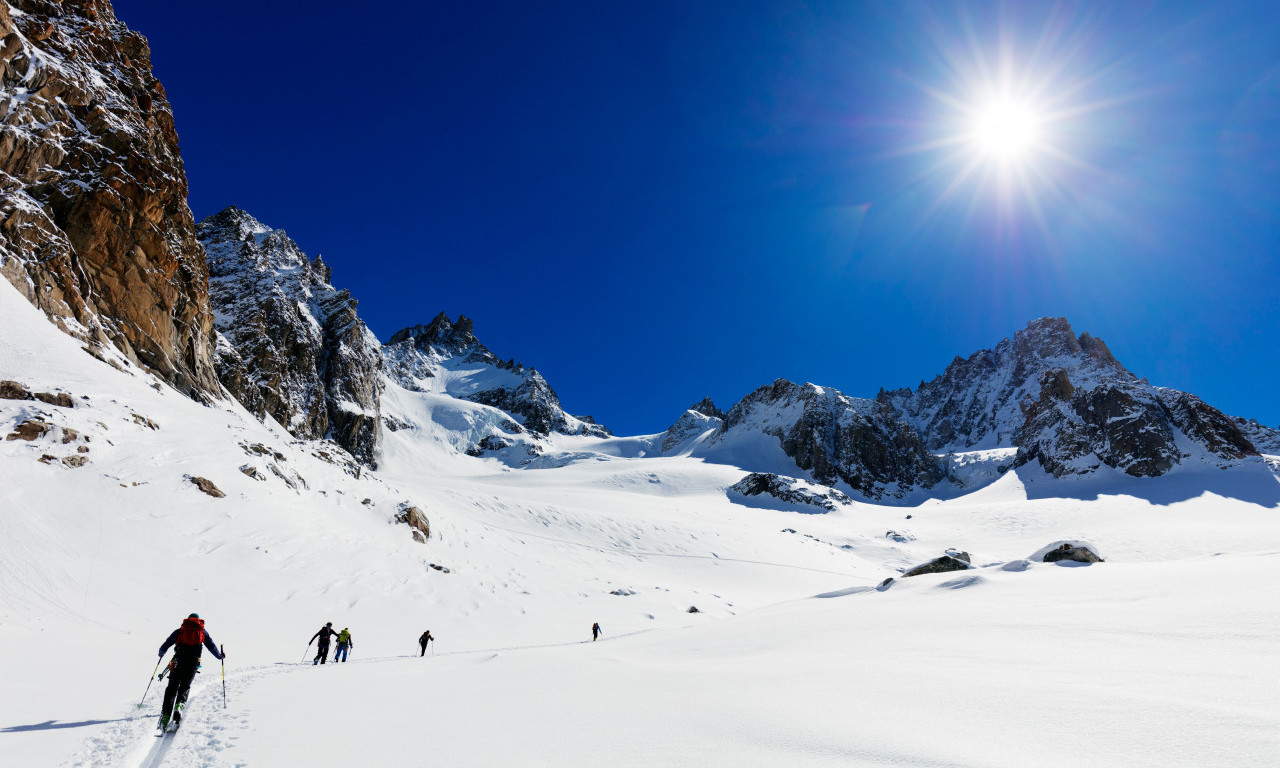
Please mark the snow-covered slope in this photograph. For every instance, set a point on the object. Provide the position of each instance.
(794, 656)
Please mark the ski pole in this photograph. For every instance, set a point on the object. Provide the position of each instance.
(307, 652)
(223, 650)
(153, 677)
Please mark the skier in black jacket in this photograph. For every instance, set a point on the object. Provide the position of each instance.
(187, 640)
(322, 650)
(422, 642)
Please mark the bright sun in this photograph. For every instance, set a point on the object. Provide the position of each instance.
(1005, 130)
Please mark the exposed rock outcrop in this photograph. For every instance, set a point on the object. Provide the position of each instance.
(207, 487)
(291, 346)
(94, 224)
(791, 491)
(415, 518)
(12, 390)
(30, 429)
(952, 561)
(1077, 554)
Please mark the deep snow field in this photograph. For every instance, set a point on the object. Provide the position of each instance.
(1168, 654)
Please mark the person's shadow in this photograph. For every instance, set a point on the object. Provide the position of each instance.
(53, 725)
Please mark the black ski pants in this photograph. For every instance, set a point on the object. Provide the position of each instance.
(322, 654)
(424, 649)
(179, 685)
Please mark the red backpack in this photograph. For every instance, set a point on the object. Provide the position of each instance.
(191, 632)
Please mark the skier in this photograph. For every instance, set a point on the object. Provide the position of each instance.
(596, 631)
(322, 649)
(422, 642)
(188, 641)
(344, 643)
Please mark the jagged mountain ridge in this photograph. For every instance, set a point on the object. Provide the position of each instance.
(94, 224)
(1065, 401)
(290, 345)
(1060, 400)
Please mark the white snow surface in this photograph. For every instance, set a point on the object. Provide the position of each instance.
(1168, 654)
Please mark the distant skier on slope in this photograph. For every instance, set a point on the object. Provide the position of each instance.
(322, 649)
(422, 642)
(596, 631)
(344, 643)
(187, 640)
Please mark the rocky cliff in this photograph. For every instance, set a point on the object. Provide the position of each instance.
(291, 346)
(833, 436)
(449, 351)
(94, 224)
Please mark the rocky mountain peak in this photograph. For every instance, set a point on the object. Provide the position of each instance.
(232, 223)
(707, 408)
(1049, 338)
(449, 336)
(292, 346)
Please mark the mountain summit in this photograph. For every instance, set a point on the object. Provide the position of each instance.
(449, 353)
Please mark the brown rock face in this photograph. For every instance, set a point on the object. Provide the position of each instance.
(94, 224)
(206, 485)
(415, 519)
(31, 429)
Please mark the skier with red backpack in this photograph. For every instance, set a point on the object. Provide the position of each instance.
(187, 640)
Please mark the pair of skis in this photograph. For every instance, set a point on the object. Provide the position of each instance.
(171, 727)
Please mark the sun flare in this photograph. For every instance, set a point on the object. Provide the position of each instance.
(1005, 129)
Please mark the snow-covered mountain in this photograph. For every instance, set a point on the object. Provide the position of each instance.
(1046, 396)
(1066, 402)
(444, 357)
(290, 345)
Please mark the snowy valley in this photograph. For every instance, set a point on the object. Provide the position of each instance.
(204, 423)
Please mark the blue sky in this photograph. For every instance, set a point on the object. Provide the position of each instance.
(653, 202)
